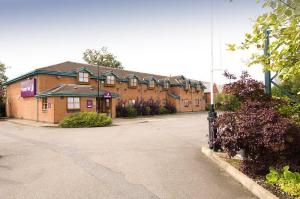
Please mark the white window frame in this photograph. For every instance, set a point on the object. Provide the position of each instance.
(110, 80)
(83, 77)
(187, 86)
(133, 82)
(44, 103)
(166, 85)
(186, 103)
(73, 103)
(151, 84)
(198, 88)
(131, 102)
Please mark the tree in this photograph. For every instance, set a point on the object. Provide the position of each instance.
(101, 58)
(282, 24)
(3, 79)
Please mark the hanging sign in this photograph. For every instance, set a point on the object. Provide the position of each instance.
(89, 103)
(107, 95)
(28, 88)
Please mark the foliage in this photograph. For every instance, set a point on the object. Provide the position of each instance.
(226, 102)
(288, 108)
(85, 119)
(288, 88)
(163, 110)
(282, 23)
(143, 108)
(131, 111)
(101, 58)
(246, 88)
(262, 127)
(3, 79)
(267, 137)
(286, 180)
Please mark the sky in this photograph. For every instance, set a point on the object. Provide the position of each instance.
(167, 37)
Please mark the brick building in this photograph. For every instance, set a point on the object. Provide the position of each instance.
(50, 93)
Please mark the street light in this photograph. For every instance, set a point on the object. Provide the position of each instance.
(212, 115)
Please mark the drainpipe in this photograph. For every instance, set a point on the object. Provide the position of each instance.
(192, 98)
(37, 109)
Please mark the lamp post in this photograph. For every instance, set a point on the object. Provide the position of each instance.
(212, 115)
(268, 79)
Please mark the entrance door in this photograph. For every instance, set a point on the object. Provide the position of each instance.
(105, 106)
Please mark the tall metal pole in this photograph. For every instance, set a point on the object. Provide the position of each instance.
(268, 80)
(212, 114)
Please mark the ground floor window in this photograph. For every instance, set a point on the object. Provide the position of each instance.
(44, 103)
(73, 103)
(186, 103)
(197, 102)
(164, 102)
(131, 102)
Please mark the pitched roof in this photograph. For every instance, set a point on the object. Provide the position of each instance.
(74, 90)
(69, 68)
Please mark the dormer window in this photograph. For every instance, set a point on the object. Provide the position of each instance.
(133, 82)
(151, 84)
(198, 88)
(166, 85)
(83, 77)
(187, 86)
(110, 80)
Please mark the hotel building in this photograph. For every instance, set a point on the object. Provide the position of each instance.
(51, 93)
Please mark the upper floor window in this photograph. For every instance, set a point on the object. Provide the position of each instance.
(151, 84)
(133, 82)
(166, 85)
(187, 86)
(110, 80)
(83, 77)
(198, 88)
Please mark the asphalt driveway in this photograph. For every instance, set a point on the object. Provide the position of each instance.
(155, 157)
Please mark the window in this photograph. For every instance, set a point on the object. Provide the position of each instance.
(133, 82)
(83, 77)
(186, 103)
(73, 103)
(44, 103)
(187, 86)
(164, 102)
(198, 87)
(110, 80)
(151, 84)
(166, 85)
(131, 102)
(197, 102)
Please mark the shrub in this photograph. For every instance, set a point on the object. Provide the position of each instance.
(267, 137)
(147, 110)
(170, 107)
(227, 102)
(288, 108)
(262, 127)
(246, 88)
(131, 111)
(85, 119)
(142, 107)
(163, 110)
(285, 180)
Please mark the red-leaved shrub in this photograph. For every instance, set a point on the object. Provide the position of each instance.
(267, 137)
